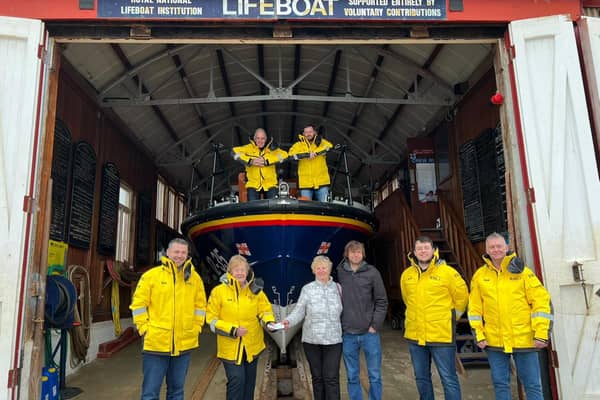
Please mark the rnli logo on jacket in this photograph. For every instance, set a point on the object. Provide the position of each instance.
(324, 248)
(243, 249)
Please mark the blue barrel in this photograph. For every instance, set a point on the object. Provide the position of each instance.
(51, 373)
(45, 388)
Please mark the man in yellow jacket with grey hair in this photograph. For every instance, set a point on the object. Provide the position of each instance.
(511, 314)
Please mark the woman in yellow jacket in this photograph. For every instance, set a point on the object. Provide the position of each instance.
(311, 151)
(511, 314)
(260, 157)
(435, 296)
(236, 309)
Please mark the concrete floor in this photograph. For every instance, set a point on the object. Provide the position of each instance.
(120, 377)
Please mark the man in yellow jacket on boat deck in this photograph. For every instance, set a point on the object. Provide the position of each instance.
(311, 151)
(511, 314)
(169, 308)
(260, 157)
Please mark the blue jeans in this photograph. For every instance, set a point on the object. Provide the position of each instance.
(156, 367)
(528, 371)
(254, 194)
(444, 361)
(241, 379)
(321, 193)
(371, 346)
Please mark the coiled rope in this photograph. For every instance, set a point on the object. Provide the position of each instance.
(80, 333)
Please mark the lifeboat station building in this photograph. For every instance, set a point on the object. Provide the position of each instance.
(452, 119)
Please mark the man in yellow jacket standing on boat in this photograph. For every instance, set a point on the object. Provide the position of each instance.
(260, 157)
(511, 314)
(311, 151)
(169, 308)
(435, 296)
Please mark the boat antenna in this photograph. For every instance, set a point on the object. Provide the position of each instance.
(342, 157)
(216, 147)
(189, 205)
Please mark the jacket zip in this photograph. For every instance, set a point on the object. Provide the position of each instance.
(174, 307)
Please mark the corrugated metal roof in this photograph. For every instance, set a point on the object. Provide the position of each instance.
(409, 88)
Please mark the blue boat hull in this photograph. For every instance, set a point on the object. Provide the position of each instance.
(279, 238)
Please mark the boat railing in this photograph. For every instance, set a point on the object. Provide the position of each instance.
(341, 168)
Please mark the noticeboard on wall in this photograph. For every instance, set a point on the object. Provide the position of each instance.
(109, 209)
(483, 185)
(61, 163)
(82, 195)
(143, 230)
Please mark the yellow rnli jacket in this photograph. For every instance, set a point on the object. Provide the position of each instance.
(507, 309)
(434, 299)
(260, 178)
(231, 306)
(312, 174)
(169, 307)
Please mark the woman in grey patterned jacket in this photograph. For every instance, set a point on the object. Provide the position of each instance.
(320, 305)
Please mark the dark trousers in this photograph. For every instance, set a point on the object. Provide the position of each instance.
(324, 361)
(241, 379)
(254, 194)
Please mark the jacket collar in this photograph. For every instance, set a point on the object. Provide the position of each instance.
(329, 282)
(362, 267)
(435, 260)
(170, 265)
(505, 261)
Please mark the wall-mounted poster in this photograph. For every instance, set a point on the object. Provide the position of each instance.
(426, 182)
(425, 176)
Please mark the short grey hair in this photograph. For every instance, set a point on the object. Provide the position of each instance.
(496, 235)
(178, 241)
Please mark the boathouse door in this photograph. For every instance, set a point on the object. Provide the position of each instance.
(21, 91)
(560, 178)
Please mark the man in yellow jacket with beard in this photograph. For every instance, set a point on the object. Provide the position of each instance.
(168, 308)
(511, 314)
(237, 309)
(311, 153)
(435, 296)
(260, 157)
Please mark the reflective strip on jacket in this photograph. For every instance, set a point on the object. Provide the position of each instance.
(509, 310)
(435, 299)
(312, 174)
(168, 310)
(260, 178)
(229, 307)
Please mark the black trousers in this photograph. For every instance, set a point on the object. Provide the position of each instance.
(324, 361)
